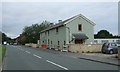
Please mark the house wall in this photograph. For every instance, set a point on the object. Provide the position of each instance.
(87, 29)
(54, 37)
(64, 35)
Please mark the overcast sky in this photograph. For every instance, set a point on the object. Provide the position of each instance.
(17, 15)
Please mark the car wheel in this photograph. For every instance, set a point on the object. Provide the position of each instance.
(103, 52)
(111, 52)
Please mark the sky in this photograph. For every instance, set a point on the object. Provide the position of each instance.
(14, 16)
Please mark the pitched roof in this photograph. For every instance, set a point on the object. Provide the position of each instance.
(67, 21)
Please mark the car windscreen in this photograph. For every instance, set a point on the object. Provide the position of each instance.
(113, 44)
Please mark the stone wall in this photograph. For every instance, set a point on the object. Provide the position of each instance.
(83, 48)
(32, 45)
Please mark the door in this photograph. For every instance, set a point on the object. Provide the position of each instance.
(78, 41)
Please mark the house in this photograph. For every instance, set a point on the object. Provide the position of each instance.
(21, 37)
(75, 30)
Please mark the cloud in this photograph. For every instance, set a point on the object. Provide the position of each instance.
(60, 0)
(17, 15)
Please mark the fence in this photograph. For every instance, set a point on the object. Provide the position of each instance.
(83, 48)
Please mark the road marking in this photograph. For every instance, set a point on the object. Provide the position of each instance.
(27, 52)
(14, 46)
(37, 56)
(21, 49)
(57, 65)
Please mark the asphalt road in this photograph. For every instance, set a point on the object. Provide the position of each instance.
(26, 58)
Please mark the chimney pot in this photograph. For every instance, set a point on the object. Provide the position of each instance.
(59, 21)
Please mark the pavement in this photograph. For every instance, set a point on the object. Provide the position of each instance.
(27, 58)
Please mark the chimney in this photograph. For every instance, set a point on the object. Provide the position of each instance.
(59, 21)
(51, 24)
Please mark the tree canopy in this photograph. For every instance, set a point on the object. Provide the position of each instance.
(3, 37)
(105, 34)
(32, 32)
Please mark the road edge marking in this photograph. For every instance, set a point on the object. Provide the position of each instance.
(57, 65)
(27, 52)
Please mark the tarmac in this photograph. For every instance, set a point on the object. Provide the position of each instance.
(111, 61)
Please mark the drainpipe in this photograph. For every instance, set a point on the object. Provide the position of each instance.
(69, 35)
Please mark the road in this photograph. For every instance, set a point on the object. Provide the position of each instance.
(26, 58)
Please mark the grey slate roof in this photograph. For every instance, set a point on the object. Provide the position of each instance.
(79, 36)
(63, 22)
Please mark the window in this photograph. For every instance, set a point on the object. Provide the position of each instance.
(104, 41)
(48, 41)
(64, 42)
(113, 40)
(57, 30)
(80, 27)
(51, 42)
(58, 42)
(113, 44)
(95, 41)
(118, 41)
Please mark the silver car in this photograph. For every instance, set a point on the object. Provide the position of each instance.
(109, 47)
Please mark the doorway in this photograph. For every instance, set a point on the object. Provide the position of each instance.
(78, 41)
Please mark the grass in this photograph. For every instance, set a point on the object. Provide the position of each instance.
(2, 52)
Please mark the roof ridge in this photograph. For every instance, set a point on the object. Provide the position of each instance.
(68, 20)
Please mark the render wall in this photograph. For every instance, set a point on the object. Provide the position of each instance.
(87, 29)
(54, 37)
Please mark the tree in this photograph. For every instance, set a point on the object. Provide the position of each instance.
(105, 34)
(32, 32)
(3, 37)
(24, 41)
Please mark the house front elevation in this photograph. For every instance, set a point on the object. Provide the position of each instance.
(75, 30)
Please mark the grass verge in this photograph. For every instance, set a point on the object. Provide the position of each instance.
(2, 52)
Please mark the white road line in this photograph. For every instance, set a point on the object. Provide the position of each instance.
(37, 56)
(27, 52)
(14, 46)
(19, 48)
(57, 65)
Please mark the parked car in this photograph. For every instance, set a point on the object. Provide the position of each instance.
(110, 47)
